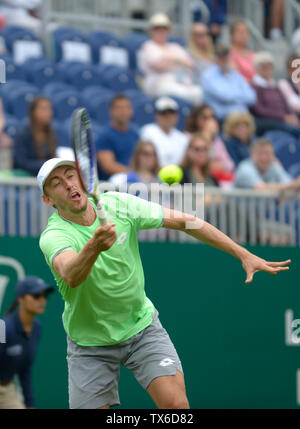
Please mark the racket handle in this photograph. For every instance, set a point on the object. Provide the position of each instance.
(101, 213)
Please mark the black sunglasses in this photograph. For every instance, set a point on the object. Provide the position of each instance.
(39, 295)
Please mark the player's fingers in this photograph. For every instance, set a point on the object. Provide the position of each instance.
(279, 264)
(249, 276)
(276, 269)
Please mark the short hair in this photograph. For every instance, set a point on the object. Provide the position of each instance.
(235, 118)
(222, 50)
(116, 98)
(263, 57)
(260, 142)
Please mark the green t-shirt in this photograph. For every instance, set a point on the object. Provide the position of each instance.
(110, 306)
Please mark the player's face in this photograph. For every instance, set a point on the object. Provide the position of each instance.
(64, 192)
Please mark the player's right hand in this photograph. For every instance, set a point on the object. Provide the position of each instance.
(105, 236)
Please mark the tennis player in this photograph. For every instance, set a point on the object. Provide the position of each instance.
(107, 317)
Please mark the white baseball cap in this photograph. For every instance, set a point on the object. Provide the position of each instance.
(48, 167)
(165, 103)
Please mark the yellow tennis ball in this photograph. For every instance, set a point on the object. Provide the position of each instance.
(170, 174)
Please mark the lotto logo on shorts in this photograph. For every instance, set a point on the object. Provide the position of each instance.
(166, 362)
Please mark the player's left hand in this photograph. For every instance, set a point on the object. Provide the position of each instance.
(252, 264)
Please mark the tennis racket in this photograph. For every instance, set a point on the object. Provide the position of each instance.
(85, 158)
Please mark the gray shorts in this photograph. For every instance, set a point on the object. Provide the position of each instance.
(94, 371)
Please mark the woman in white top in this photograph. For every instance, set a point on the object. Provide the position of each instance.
(167, 67)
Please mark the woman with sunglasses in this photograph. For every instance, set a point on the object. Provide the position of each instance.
(144, 166)
(22, 336)
(201, 48)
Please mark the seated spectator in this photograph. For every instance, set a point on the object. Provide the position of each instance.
(35, 142)
(224, 89)
(116, 141)
(23, 13)
(275, 11)
(203, 120)
(201, 48)
(144, 166)
(271, 110)
(239, 129)
(5, 144)
(290, 88)
(217, 9)
(167, 67)
(196, 165)
(169, 142)
(241, 57)
(262, 170)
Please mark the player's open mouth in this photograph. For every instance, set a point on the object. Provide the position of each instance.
(75, 195)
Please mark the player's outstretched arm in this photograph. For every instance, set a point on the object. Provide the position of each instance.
(74, 268)
(208, 234)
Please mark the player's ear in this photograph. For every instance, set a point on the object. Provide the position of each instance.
(47, 200)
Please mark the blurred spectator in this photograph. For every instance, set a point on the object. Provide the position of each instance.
(241, 57)
(271, 110)
(202, 119)
(170, 143)
(5, 143)
(217, 9)
(144, 166)
(289, 87)
(36, 141)
(225, 90)
(263, 171)
(275, 13)
(23, 13)
(239, 129)
(22, 337)
(116, 141)
(167, 67)
(201, 48)
(196, 165)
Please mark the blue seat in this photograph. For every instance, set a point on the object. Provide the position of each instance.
(64, 34)
(294, 170)
(40, 72)
(64, 103)
(11, 125)
(11, 34)
(95, 91)
(62, 136)
(101, 39)
(12, 70)
(144, 111)
(82, 75)
(184, 109)
(98, 108)
(133, 43)
(119, 79)
(175, 39)
(19, 99)
(288, 154)
(280, 138)
(53, 88)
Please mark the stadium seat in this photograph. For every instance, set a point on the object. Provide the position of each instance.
(63, 138)
(133, 43)
(53, 88)
(12, 70)
(119, 79)
(107, 48)
(70, 44)
(294, 170)
(81, 75)
(11, 125)
(95, 91)
(144, 111)
(41, 71)
(18, 99)
(288, 154)
(98, 108)
(64, 103)
(280, 138)
(21, 43)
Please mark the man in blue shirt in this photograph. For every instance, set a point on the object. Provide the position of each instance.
(225, 90)
(22, 337)
(116, 142)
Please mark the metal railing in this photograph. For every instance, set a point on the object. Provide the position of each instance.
(247, 216)
(116, 15)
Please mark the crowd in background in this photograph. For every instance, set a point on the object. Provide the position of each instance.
(235, 100)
